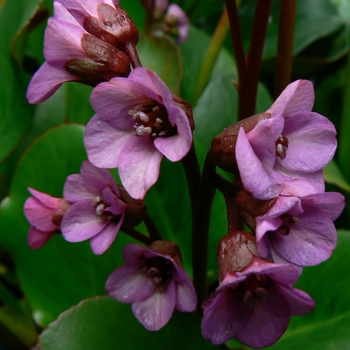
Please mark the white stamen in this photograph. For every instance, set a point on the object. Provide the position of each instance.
(96, 200)
(159, 121)
(132, 112)
(295, 219)
(162, 133)
(155, 108)
(143, 130)
(100, 209)
(143, 117)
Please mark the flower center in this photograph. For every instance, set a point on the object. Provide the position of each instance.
(159, 270)
(253, 288)
(281, 147)
(288, 220)
(152, 119)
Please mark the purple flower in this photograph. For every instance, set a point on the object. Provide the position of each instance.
(97, 211)
(177, 23)
(300, 230)
(72, 54)
(254, 305)
(284, 153)
(137, 123)
(44, 214)
(154, 283)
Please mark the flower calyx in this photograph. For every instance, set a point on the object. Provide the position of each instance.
(165, 247)
(223, 146)
(235, 252)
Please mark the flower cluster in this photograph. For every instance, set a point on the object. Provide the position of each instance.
(279, 155)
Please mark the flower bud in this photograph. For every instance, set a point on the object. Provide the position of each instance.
(113, 26)
(235, 252)
(223, 146)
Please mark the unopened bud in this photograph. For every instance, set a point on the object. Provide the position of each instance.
(235, 252)
(223, 146)
(113, 25)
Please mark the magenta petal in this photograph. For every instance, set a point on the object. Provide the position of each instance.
(62, 42)
(83, 186)
(295, 98)
(177, 146)
(156, 311)
(223, 313)
(128, 283)
(262, 139)
(254, 176)
(104, 143)
(312, 142)
(268, 321)
(80, 222)
(138, 165)
(37, 238)
(133, 251)
(46, 82)
(115, 205)
(39, 215)
(309, 242)
(117, 97)
(299, 302)
(44, 198)
(103, 240)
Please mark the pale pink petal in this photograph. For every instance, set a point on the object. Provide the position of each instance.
(45, 82)
(37, 238)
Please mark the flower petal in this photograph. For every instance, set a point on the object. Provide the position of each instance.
(37, 238)
(156, 311)
(45, 82)
(128, 283)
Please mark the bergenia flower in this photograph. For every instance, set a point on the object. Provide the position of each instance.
(300, 230)
(255, 304)
(97, 212)
(154, 283)
(44, 214)
(72, 54)
(137, 123)
(284, 153)
(177, 23)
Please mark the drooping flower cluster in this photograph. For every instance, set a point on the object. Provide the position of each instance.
(279, 155)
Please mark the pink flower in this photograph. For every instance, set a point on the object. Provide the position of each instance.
(154, 283)
(137, 123)
(44, 214)
(284, 153)
(72, 54)
(97, 212)
(300, 230)
(177, 23)
(254, 305)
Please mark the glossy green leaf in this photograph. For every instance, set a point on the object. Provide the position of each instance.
(15, 113)
(60, 274)
(103, 323)
(162, 55)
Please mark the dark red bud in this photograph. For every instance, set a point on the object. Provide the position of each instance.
(168, 248)
(102, 52)
(223, 147)
(235, 252)
(135, 212)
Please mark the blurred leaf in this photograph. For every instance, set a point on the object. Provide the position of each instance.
(15, 113)
(103, 323)
(60, 274)
(162, 55)
(343, 7)
(333, 175)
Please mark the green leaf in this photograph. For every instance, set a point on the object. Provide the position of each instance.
(15, 113)
(60, 274)
(103, 323)
(333, 175)
(162, 55)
